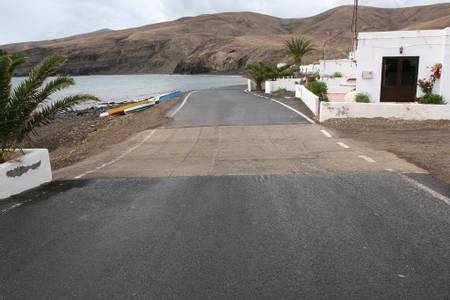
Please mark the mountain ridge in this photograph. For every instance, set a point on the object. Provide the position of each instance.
(222, 43)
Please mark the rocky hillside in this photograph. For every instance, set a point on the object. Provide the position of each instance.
(225, 42)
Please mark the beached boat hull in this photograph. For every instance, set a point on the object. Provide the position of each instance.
(121, 109)
(139, 107)
(171, 95)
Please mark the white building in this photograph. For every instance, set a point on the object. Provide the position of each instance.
(347, 67)
(389, 64)
(309, 69)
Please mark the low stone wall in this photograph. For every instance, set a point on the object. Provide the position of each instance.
(404, 111)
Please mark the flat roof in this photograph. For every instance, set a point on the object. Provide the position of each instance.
(404, 34)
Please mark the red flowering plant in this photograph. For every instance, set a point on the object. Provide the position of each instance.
(436, 71)
(426, 85)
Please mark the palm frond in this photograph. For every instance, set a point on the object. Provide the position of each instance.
(5, 80)
(28, 87)
(48, 113)
(17, 60)
(43, 94)
(28, 106)
(53, 86)
(298, 48)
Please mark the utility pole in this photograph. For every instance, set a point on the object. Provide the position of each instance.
(355, 24)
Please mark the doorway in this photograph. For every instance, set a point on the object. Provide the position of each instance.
(399, 79)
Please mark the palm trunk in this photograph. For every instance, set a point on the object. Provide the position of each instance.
(258, 85)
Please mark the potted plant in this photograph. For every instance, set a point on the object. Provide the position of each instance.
(22, 110)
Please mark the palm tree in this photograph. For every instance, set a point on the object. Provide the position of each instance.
(257, 73)
(27, 106)
(261, 72)
(298, 48)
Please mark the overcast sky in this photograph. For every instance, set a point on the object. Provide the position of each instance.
(26, 20)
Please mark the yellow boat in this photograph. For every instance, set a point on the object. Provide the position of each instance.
(121, 109)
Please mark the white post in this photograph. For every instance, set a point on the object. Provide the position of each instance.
(445, 76)
(268, 87)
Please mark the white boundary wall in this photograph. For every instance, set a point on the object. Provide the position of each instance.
(251, 85)
(311, 101)
(346, 67)
(308, 69)
(404, 111)
(26, 172)
(288, 84)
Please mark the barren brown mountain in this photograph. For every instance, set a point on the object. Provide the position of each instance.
(224, 42)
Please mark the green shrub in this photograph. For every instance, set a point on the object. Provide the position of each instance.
(261, 72)
(431, 99)
(337, 75)
(362, 98)
(318, 88)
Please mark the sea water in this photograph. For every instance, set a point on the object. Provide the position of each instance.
(123, 88)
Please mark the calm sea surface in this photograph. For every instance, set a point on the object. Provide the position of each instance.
(121, 88)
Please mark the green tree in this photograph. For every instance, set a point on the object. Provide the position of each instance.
(298, 48)
(261, 72)
(27, 106)
(257, 73)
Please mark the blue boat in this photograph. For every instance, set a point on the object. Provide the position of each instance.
(170, 95)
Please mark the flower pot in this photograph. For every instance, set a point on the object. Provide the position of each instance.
(25, 172)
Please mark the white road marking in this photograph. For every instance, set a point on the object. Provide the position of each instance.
(368, 159)
(182, 104)
(285, 105)
(343, 145)
(294, 110)
(326, 133)
(117, 158)
(390, 170)
(424, 188)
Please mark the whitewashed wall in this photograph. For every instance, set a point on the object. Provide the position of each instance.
(338, 82)
(346, 67)
(251, 85)
(313, 68)
(288, 84)
(310, 99)
(432, 46)
(404, 111)
(26, 172)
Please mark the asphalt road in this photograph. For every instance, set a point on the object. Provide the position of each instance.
(232, 107)
(349, 232)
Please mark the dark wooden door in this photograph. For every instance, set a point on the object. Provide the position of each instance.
(399, 80)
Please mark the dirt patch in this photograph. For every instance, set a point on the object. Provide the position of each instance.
(424, 143)
(74, 136)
